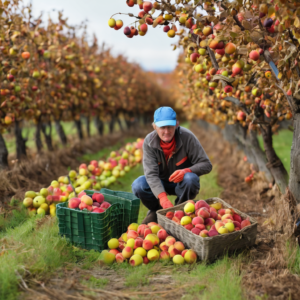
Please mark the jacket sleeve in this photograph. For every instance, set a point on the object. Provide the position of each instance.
(151, 170)
(200, 162)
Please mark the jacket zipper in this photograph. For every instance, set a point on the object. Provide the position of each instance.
(170, 157)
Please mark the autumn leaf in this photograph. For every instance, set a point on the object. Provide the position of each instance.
(297, 22)
(246, 25)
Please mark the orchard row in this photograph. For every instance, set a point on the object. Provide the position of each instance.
(240, 65)
(50, 74)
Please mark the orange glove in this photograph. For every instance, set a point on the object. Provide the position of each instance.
(164, 201)
(178, 175)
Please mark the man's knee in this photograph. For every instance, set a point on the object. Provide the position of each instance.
(188, 188)
(142, 190)
(139, 185)
(192, 180)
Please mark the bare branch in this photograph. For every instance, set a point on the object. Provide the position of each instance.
(129, 14)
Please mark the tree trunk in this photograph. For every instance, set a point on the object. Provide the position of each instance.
(88, 129)
(120, 123)
(61, 133)
(145, 119)
(3, 154)
(99, 125)
(259, 155)
(79, 128)
(294, 183)
(38, 141)
(127, 121)
(241, 135)
(111, 124)
(203, 124)
(274, 163)
(250, 145)
(20, 141)
(48, 137)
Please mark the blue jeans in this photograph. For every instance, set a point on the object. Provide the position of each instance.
(185, 190)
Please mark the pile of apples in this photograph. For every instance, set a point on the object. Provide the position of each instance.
(143, 243)
(208, 220)
(95, 204)
(95, 175)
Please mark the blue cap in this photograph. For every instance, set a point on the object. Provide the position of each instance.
(165, 116)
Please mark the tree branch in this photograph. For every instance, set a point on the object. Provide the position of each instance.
(251, 78)
(270, 61)
(235, 18)
(294, 107)
(238, 103)
(213, 58)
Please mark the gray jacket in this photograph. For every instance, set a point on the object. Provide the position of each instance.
(188, 154)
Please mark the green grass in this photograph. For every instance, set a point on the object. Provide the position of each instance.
(37, 250)
(137, 278)
(220, 280)
(95, 283)
(293, 253)
(185, 125)
(209, 186)
(104, 153)
(33, 245)
(13, 218)
(124, 184)
(282, 143)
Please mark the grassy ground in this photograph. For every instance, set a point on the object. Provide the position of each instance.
(33, 246)
(104, 153)
(282, 143)
(32, 249)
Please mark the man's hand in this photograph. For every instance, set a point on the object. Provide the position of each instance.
(164, 201)
(178, 175)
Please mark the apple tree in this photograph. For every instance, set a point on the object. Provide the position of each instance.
(240, 66)
(51, 74)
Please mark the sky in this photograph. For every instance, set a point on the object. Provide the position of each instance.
(153, 52)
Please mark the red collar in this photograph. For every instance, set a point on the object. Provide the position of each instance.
(168, 148)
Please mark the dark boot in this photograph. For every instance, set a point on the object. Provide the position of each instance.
(151, 217)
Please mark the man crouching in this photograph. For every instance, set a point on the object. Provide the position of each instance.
(173, 160)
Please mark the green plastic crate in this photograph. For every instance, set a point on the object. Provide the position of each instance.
(129, 202)
(89, 230)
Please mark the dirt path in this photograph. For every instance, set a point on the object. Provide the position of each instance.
(264, 269)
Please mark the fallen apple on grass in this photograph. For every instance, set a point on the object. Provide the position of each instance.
(141, 249)
(93, 176)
